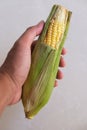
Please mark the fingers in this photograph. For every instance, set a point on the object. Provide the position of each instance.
(61, 64)
(30, 34)
(64, 51)
(62, 61)
(58, 77)
(56, 83)
(59, 74)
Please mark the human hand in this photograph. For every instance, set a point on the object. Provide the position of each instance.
(18, 61)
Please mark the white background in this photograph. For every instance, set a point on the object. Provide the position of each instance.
(67, 108)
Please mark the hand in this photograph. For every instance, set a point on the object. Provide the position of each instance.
(17, 63)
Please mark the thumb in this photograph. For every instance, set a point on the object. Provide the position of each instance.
(29, 35)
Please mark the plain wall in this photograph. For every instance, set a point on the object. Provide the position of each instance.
(67, 108)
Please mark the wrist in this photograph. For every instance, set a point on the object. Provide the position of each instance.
(7, 89)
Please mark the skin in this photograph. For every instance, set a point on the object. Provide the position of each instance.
(15, 68)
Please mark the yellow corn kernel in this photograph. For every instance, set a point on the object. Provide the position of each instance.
(49, 33)
(54, 33)
(56, 29)
(60, 32)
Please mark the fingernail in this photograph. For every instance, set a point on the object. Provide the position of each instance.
(41, 22)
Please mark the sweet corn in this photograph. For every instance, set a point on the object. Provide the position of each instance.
(39, 84)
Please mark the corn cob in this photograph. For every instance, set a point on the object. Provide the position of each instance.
(38, 87)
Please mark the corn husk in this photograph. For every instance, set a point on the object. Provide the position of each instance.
(39, 85)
